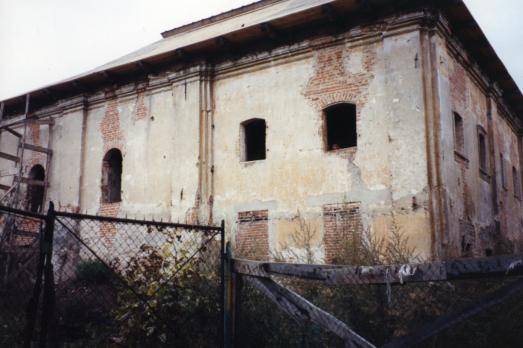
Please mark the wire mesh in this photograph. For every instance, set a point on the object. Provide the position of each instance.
(383, 313)
(138, 283)
(19, 253)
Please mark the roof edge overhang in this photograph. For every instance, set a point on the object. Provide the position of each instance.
(464, 27)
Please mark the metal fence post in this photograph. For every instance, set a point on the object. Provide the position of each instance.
(222, 283)
(32, 306)
(47, 323)
(228, 299)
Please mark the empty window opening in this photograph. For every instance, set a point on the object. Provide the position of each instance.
(35, 188)
(482, 144)
(516, 183)
(459, 138)
(502, 171)
(112, 176)
(254, 140)
(340, 124)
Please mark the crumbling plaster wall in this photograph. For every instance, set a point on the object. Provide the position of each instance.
(478, 211)
(386, 174)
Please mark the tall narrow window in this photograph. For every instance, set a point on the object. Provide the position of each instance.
(502, 171)
(112, 176)
(253, 133)
(340, 126)
(459, 138)
(516, 183)
(35, 188)
(482, 149)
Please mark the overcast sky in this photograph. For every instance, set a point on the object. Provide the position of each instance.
(44, 41)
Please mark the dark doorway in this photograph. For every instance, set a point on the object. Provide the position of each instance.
(35, 188)
(112, 176)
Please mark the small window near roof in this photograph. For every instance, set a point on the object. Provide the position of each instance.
(502, 171)
(482, 149)
(459, 138)
(340, 126)
(253, 133)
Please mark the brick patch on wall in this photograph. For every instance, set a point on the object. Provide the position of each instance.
(108, 229)
(252, 239)
(332, 83)
(34, 136)
(141, 109)
(110, 126)
(341, 222)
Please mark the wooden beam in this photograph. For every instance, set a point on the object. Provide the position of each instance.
(31, 182)
(27, 99)
(389, 274)
(446, 321)
(2, 105)
(36, 148)
(13, 132)
(9, 157)
(304, 311)
(80, 86)
(108, 76)
(5, 187)
(269, 30)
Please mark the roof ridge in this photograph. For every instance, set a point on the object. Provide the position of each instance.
(219, 17)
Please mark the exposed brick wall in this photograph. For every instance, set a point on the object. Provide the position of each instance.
(332, 83)
(34, 139)
(252, 239)
(112, 138)
(108, 229)
(141, 109)
(110, 126)
(26, 225)
(341, 222)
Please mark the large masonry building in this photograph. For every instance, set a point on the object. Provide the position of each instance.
(363, 116)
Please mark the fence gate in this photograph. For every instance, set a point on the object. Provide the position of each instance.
(98, 281)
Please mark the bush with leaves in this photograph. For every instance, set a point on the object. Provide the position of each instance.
(170, 302)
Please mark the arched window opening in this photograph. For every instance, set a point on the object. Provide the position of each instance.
(340, 126)
(112, 176)
(253, 133)
(35, 189)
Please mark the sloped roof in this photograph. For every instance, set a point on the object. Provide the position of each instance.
(243, 24)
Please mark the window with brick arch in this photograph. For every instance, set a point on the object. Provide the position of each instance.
(340, 126)
(254, 140)
(35, 188)
(112, 176)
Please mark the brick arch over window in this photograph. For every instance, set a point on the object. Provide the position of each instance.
(35, 188)
(112, 176)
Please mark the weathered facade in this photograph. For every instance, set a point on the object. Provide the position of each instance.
(353, 116)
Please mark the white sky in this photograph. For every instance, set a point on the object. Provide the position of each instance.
(43, 41)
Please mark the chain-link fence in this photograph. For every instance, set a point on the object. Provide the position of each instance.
(19, 258)
(459, 303)
(110, 281)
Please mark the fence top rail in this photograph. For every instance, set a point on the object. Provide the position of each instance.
(139, 222)
(22, 212)
(458, 269)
